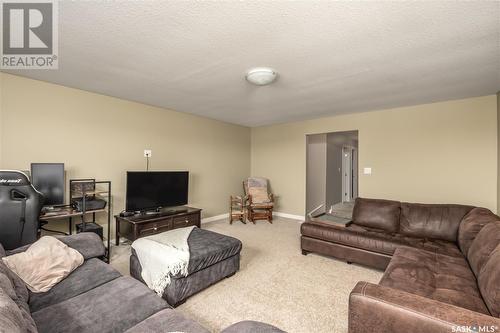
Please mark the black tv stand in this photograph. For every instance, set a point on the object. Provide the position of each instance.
(144, 224)
(174, 211)
(164, 211)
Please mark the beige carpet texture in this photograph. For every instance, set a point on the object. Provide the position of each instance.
(276, 284)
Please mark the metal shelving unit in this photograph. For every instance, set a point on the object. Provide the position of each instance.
(87, 189)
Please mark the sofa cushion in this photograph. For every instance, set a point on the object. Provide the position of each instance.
(355, 236)
(443, 278)
(112, 307)
(16, 295)
(483, 245)
(489, 282)
(12, 318)
(91, 274)
(18, 285)
(44, 263)
(2, 251)
(15, 288)
(377, 213)
(168, 320)
(375, 240)
(471, 225)
(89, 244)
(431, 220)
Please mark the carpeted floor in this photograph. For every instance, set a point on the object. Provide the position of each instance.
(276, 283)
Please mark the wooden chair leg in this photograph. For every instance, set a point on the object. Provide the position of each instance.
(251, 217)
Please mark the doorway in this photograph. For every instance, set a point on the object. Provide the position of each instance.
(332, 172)
(349, 173)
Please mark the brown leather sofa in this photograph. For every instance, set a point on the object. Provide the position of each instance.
(442, 266)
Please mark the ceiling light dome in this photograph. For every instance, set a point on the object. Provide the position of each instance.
(261, 76)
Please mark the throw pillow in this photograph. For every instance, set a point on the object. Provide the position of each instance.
(44, 263)
(259, 195)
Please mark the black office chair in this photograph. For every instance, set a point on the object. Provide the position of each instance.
(20, 206)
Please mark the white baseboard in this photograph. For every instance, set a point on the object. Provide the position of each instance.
(299, 218)
(290, 216)
(215, 218)
(279, 214)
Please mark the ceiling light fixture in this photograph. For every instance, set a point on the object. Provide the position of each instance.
(261, 76)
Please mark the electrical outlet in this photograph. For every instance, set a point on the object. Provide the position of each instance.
(147, 152)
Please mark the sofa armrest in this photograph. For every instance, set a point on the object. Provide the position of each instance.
(374, 308)
(89, 244)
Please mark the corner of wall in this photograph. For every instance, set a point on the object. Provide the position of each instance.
(251, 151)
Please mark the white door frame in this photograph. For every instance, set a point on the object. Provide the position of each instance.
(346, 173)
(354, 173)
(349, 176)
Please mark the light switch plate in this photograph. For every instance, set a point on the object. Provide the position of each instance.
(367, 171)
(147, 152)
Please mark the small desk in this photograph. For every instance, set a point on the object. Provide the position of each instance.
(67, 213)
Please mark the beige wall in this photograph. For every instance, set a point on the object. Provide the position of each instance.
(498, 153)
(102, 137)
(442, 152)
(316, 157)
(1, 118)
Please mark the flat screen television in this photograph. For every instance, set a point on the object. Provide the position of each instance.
(149, 190)
(48, 178)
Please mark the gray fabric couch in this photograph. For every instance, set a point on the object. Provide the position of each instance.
(93, 298)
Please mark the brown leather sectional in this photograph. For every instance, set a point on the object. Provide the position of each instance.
(441, 262)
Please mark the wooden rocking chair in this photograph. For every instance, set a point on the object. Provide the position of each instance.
(236, 209)
(260, 202)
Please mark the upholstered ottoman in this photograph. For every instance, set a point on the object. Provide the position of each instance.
(250, 326)
(213, 257)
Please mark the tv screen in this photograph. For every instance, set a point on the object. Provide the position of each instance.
(154, 189)
(48, 178)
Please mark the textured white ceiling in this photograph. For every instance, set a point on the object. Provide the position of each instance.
(332, 57)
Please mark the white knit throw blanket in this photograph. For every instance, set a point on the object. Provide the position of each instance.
(162, 256)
